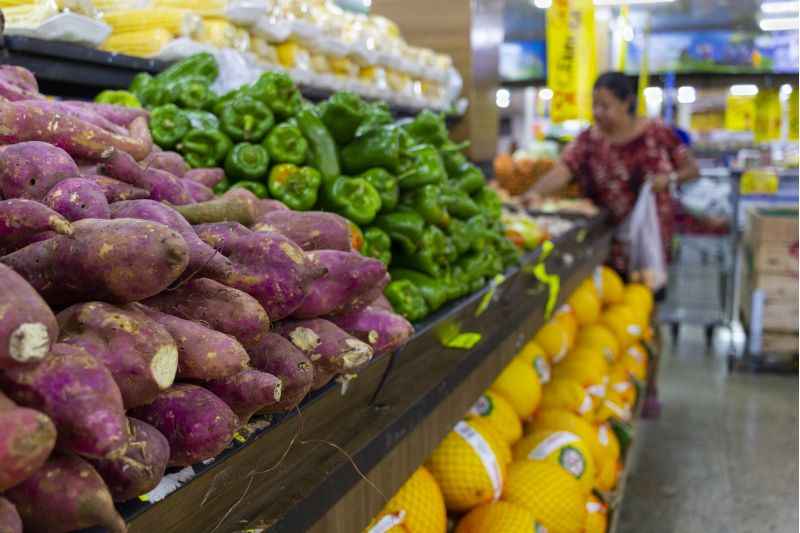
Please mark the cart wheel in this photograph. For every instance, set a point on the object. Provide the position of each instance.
(675, 329)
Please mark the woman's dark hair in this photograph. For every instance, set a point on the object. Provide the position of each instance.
(619, 85)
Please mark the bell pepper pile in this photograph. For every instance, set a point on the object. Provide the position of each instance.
(421, 207)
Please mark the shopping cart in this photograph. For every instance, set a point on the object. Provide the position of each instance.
(699, 271)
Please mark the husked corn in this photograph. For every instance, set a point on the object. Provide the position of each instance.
(204, 8)
(107, 6)
(175, 21)
(143, 43)
(30, 15)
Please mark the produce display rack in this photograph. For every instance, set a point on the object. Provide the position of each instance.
(75, 71)
(298, 471)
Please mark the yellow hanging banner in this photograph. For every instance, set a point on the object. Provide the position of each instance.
(740, 113)
(793, 111)
(621, 43)
(767, 116)
(644, 74)
(571, 60)
(562, 61)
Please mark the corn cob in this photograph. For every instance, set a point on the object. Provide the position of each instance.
(175, 21)
(292, 55)
(204, 8)
(29, 16)
(145, 43)
(14, 3)
(83, 7)
(107, 6)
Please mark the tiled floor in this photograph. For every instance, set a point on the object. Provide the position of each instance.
(723, 456)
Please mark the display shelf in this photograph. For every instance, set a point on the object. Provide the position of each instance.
(401, 405)
(700, 80)
(75, 71)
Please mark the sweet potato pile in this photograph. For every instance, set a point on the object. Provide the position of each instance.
(143, 321)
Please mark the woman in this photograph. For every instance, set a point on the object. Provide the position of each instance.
(611, 161)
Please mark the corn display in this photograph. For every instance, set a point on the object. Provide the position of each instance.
(204, 8)
(145, 43)
(28, 15)
(175, 21)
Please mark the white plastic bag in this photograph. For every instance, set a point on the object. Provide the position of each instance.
(641, 235)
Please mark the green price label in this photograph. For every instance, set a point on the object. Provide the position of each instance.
(464, 341)
(487, 298)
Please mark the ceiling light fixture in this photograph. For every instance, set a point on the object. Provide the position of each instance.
(546, 93)
(744, 90)
(502, 98)
(779, 24)
(775, 8)
(543, 4)
(630, 2)
(654, 94)
(687, 95)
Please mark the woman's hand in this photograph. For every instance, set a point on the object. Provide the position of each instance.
(661, 182)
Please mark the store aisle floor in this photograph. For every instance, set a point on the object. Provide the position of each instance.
(723, 456)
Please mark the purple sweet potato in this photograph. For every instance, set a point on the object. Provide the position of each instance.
(207, 176)
(171, 162)
(329, 348)
(120, 115)
(384, 330)
(267, 266)
(10, 521)
(30, 169)
(65, 494)
(321, 378)
(18, 83)
(350, 278)
(236, 205)
(141, 468)
(266, 205)
(198, 191)
(118, 261)
(203, 354)
(115, 190)
(218, 307)
(160, 184)
(197, 424)
(26, 439)
(366, 298)
(27, 325)
(310, 230)
(140, 353)
(381, 302)
(281, 358)
(78, 198)
(85, 114)
(20, 122)
(79, 395)
(21, 220)
(202, 257)
(247, 392)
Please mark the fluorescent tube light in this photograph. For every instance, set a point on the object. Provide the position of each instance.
(687, 95)
(744, 90)
(775, 8)
(779, 24)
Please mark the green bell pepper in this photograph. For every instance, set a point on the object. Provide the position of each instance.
(202, 120)
(297, 187)
(477, 265)
(149, 91)
(192, 93)
(342, 113)
(378, 147)
(219, 104)
(422, 165)
(407, 299)
(246, 119)
(321, 146)
(458, 203)
(202, 65)
(255, 187)
(353, 198)
(454, 162)
(509, 254)
(470, 179)
(123, 98)
(377, 244)
(428, 202)
(404, 228)
(247, 162)
(221, 186)
(460, 234)
(277, 91)
(457, 283)
(480, 236)
(428, 128)
(168, 125)
(375, 114)
(286, 144)
(205, 148)
(433, 290)
(430, 256)
(489, 203)
(385, 184)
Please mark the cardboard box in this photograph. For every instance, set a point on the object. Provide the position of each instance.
(778, 289)
(780, 343)
(773, 257)
(771, 225)
(780, 311)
